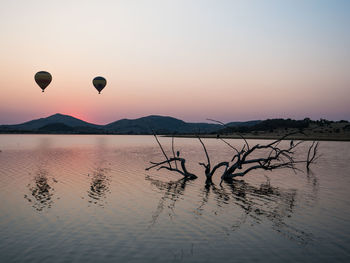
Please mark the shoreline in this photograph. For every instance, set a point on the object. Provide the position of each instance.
(210, 136)
(267, 137)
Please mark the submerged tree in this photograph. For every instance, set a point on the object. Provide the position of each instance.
(271, 156)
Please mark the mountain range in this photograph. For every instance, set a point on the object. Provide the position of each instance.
(59, 123)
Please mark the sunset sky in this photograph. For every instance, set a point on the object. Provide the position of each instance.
(190, 59)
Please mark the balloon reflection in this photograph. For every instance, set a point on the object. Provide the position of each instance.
(100, 180)
(99, 186)
(41, 193)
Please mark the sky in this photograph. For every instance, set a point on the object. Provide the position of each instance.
(191, 59)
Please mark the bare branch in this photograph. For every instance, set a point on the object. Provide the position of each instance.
(231, 146)
(172, 148)
(183, 172)
(223, 124)
(226, 164)
(160, 146)
(312, 154)
(205, 150)
(240, 135)
(277, 158)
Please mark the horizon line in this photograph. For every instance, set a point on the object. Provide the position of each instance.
(167, 116)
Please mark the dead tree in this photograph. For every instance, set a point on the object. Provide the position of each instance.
(272, 156)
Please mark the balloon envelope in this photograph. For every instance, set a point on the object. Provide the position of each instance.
(99, 83)
(43, 79)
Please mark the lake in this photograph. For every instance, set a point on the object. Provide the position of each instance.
(88, 198)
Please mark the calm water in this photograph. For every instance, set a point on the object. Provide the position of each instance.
(71, 198)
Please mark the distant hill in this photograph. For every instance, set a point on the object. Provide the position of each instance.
(56, 127)
(266, 125)
(243, 123)
(56, 118)
(159, 124)
(59, 123)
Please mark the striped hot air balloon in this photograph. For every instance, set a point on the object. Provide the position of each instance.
(43, 79)
(99, 83)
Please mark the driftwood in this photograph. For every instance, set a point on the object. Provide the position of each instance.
(272, 157)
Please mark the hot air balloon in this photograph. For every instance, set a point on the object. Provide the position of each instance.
(99, 83)
(43, 79)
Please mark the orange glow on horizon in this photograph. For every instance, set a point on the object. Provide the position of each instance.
(193, 60)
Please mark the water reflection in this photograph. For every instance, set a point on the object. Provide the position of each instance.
(41, 192)
(312, 181)
(267, 203)
(173, 190)
(100, 180)
(99, 186)
(256, 204)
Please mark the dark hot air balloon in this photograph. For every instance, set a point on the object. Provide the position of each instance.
(43, 79)
(99, 83)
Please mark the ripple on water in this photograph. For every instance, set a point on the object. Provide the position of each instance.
(83, 198)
